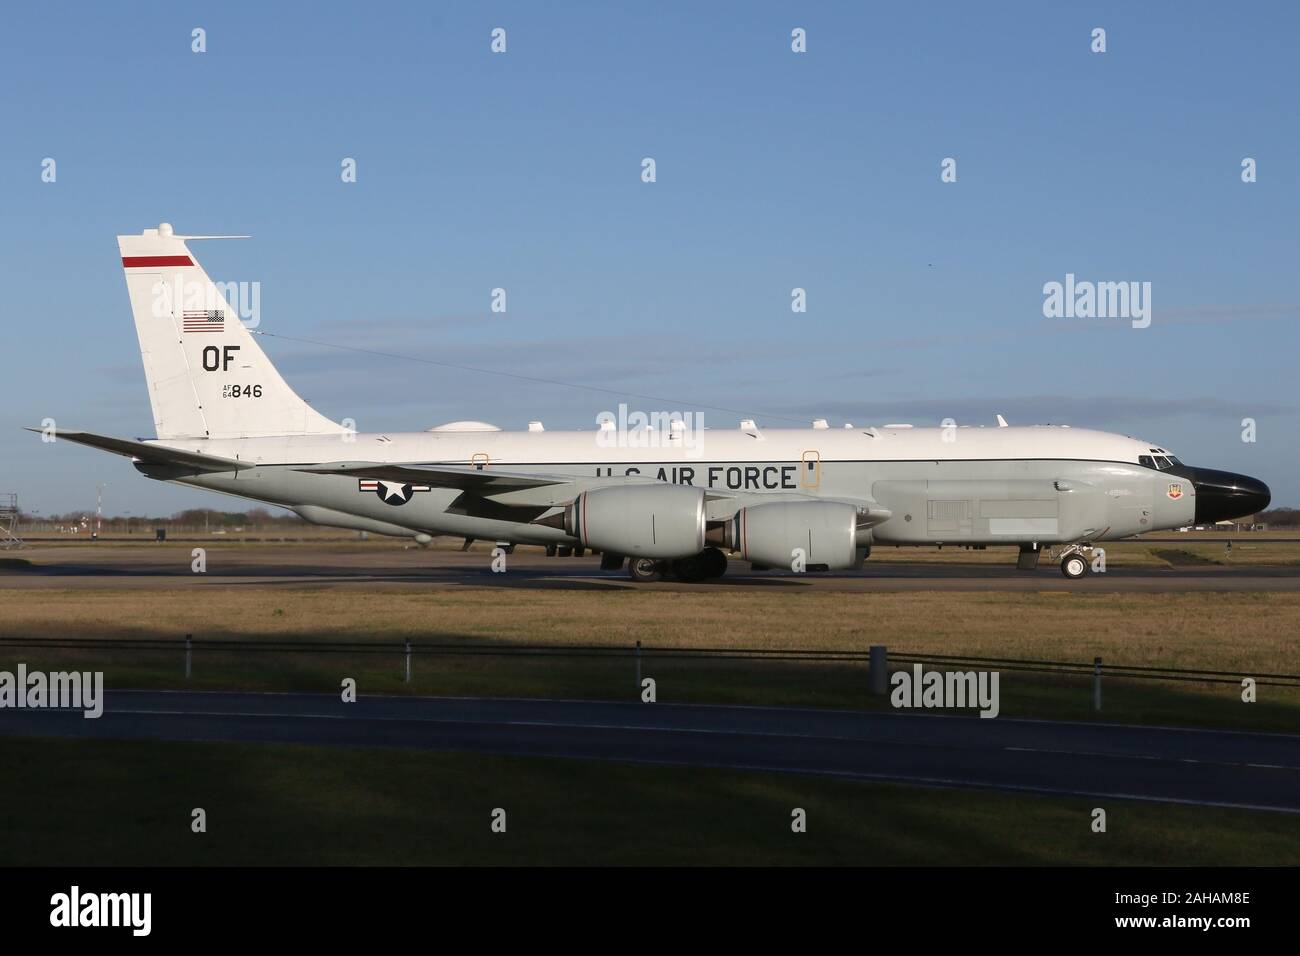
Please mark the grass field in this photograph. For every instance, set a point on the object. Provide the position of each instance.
(129, 804)
(1242, 633)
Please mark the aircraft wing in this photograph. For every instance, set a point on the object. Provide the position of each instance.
(149, 454)
(495, 482)
(443, 476)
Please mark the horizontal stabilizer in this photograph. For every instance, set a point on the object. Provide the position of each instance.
(149, 453)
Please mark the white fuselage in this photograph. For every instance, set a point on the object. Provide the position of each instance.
(944, 485)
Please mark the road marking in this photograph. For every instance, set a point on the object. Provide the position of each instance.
(1170, 759)
(705, 731)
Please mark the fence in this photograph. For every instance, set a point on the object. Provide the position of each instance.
(877, 658)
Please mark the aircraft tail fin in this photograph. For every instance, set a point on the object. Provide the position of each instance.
(207, 376)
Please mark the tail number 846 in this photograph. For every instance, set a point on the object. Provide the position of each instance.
(241, 391)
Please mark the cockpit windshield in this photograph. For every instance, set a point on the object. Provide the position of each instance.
(1160, 462)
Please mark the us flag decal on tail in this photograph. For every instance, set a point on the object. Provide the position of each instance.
(213, 320)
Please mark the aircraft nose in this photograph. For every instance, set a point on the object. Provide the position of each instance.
(1223, 495)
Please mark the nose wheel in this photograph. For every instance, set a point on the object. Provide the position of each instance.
(1074, 566)
(1076, 562)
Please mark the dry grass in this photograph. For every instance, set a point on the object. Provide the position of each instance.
(1242, 633)
(1230, 631)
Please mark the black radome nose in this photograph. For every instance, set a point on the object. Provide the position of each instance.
(1223, 495)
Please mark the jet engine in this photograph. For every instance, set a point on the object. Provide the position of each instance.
(826, 531)
(649, 520)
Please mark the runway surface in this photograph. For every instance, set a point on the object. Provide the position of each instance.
(1200, 767)
(302, 565)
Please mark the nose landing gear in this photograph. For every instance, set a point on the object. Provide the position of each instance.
(1076, 561)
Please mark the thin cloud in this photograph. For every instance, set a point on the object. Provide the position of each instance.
(1039, 409)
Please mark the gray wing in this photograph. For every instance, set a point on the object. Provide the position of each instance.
(442, 476)
(493, 481)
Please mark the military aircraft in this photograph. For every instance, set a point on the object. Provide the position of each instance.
(666, 500)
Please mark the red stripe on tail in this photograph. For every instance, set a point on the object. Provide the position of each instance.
(131, 262)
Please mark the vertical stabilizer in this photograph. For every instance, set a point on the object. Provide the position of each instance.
(207, 376)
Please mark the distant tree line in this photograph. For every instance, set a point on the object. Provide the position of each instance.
(191, 519)
(1280, 518)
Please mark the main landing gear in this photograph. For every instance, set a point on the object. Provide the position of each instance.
(645, 570)
(709, 563)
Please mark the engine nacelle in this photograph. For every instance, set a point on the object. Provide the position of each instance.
(826, 531)
(648, 521)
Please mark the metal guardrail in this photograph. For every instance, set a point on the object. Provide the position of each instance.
(1136, 671)
(605, 651)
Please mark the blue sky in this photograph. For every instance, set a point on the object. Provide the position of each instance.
(775, 170)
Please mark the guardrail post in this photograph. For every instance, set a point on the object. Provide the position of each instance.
(1096, 683)
(408, 661)
(878, 670)
(638, 667)
(189, 656)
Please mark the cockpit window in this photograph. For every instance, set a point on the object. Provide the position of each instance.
(1158, 462)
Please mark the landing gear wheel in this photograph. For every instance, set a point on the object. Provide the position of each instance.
(1074, 566)
(690, 570)
(644, 570)
(714, 561)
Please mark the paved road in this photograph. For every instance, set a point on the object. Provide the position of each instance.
(168, 565)
(1213, 768)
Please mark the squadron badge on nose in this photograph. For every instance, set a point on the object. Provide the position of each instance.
(1175, 490)
(390, 492)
